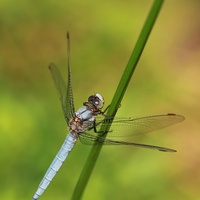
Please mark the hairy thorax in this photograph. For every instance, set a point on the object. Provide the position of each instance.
(82, 120)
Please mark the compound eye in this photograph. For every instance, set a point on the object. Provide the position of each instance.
(98, 104)
(91, 98)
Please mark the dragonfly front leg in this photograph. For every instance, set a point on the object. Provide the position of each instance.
(106, 109)
(102, 113)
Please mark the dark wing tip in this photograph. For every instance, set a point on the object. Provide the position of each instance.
(50, 66)
(171, 114)
(68, 35)
(180, 116)
(167, 150)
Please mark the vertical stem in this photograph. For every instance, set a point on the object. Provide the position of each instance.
(93, 155)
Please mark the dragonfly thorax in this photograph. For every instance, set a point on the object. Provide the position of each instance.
(81, 120)
(84, 117)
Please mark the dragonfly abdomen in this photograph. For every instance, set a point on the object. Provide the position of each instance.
(56, 164)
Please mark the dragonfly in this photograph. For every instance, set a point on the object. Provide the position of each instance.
(86, 124)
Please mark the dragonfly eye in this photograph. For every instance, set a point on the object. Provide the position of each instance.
(99, 97)
(91, 99)
(97, 100)
(98, 103)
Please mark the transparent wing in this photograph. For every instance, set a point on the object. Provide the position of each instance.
(70, 98)
(89, 139)
(65, 92)
(135, 126)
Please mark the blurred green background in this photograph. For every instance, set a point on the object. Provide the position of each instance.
(102, 35)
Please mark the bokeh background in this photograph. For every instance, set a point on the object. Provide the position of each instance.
(103, 35)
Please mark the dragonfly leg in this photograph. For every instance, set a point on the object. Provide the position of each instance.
(94, 123)
(94, 127)
(106, 109)
(95, 130)
(85, 103)
(102, 113)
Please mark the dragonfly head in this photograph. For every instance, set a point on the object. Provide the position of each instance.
(97, 101)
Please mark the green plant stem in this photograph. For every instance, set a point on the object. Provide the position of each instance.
(93, 155)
